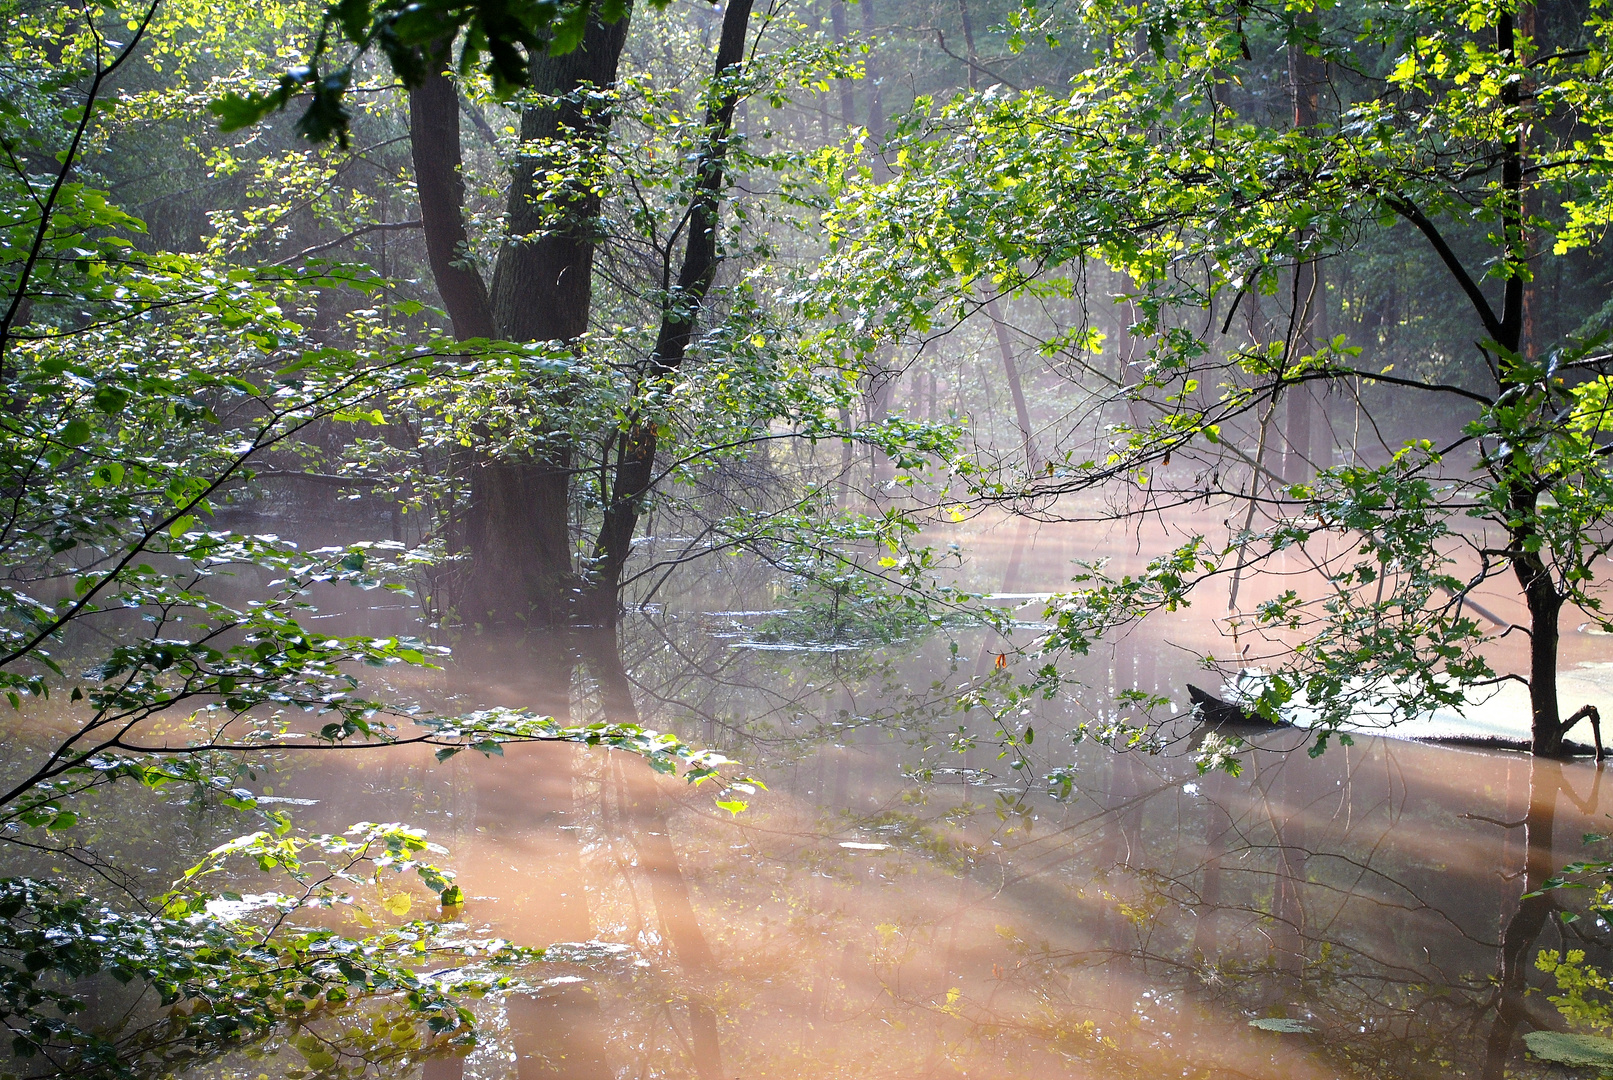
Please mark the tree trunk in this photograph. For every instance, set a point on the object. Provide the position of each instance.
(434, 140)
(837, 20)
(543, 285)
(1534, 574)
(1545, 605)
(876, 102)
(1307, 74)
(635, 462)
(969, 44)
(1011, 369)
(517, 525)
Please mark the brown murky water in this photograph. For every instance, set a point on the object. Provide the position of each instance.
(892, 908)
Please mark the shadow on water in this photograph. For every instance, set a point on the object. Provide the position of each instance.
(891, 906)
(559, 1031)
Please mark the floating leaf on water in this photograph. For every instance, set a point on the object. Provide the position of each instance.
(1282, 1024)
(1568, 1049)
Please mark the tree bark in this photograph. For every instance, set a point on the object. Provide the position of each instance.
(438, 177)
(1545, 607)
(543, 285)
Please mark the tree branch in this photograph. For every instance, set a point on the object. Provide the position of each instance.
(1408, 210)
(376, 226)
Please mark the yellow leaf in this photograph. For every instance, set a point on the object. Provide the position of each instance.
(398, 904)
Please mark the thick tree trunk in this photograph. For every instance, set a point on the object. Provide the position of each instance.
(516, 528)
(635, 463)
(543, 285)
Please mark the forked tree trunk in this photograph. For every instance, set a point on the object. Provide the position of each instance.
(516, 528)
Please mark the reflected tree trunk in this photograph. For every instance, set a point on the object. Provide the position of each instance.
(645, 813)
(1515, 1009)
(1292, 865)
(1217, 831)
(559, 1031)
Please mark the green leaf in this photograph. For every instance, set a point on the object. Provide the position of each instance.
(237, 111)
(1566, 1048)
(76, 433)
(111, 399)
(1281, 1024)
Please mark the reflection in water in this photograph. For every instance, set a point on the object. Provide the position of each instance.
(892, 908)
(1514, 1007)
(558, 1031)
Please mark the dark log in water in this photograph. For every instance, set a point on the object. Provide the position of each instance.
(1217, 713)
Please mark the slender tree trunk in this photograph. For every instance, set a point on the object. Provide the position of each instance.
(635, 462)
(876, 101)
(1544, 599)
(837, 20)
(1308, 74)
(969, 44)
(1022, 415)
(1526, 200)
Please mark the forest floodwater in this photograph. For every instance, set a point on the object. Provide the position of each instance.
(890, 908)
